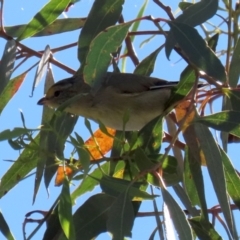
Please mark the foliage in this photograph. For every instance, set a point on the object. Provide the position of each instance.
(137, 162)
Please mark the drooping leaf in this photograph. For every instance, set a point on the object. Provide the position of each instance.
(197, 50)
(58, 26)
(46, 118)
(89, 182)
(102, 15)
(232, 179)
(215, 168)
(193, 15)
(204, 229)
(7, 63)
(150, 136)
(62, 124)
(44, 17)
(10, 90)
(4, 228)
(193, 182)
(25, 163)
(121, 217)
(116, 186)
(65, 212)
(234, 70)
(178, 217)
(42, 66)
(198, 13)
(227, 121)
(99, 55)
(146, 66)
(91, 218)
(16, 132)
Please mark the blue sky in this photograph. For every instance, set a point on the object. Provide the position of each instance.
(18, 201)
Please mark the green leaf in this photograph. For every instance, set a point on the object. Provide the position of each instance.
(168, 166)
(192, 16)
(25, 163)
(178, 216)
(89, 182)
(234, 70)
(62, 124)
(193, 182)
(198, 13)
(213, 41)
(102, 15)
(65, 212)
(44, 17)
(16, 132)
(150, 136)
(227, 121)
(215, 168)
(58, 26)
(232, 179)
(146, 66)
(7, 63)
(121, 217)
(204, 229)
(84, 158)
(4, 229)
(53, 226)
(99, 55)
(142, 161)
(184, 5)
(197, 50)
(184, 86)
(116, 186)
(91, 218)
(10, 90)
(43, 144)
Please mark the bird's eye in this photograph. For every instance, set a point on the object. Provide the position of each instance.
(56, 93)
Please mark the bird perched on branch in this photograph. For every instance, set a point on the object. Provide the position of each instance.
(144, 98)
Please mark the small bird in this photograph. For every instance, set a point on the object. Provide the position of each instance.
(144, 98)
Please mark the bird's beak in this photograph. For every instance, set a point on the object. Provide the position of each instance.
(42, 101)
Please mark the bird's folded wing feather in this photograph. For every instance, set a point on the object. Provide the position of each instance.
(132, 83)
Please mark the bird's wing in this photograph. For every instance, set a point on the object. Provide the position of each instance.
(133, 83)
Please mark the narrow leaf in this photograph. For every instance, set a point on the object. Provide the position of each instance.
(100, 49)
(43, 144)
(178, 217)
(65, 212)
(232, 179)
(234, 70)
(44, 17)
(121, 225)
(58, 26)
(193, 15)
(146, 66)
(42, 66)
(115, 186)
(215, 168)
(25, 163)
(227, 121)
(102, 15)
(91, 218)
(4, 228)
(10, 90)
(7, 63)
(197, 50)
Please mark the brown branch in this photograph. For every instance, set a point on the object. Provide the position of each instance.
(167, 9)
(213, 211)
(130, 50)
